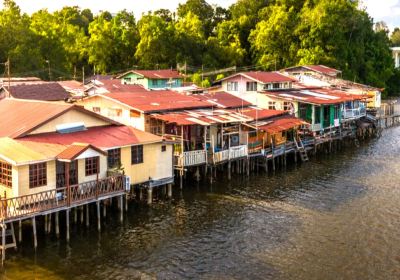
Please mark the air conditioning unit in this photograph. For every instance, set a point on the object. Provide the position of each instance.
(127, 182)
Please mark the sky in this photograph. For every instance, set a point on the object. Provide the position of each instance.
(386, 10)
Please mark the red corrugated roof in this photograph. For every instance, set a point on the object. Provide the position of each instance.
(268, 77)
(321, 96)
(157, 101)
(323, 69)
(117, 86)
(155, 74)
(75, 150)
(281, 124)
(261, 113)
(19, 116)
(224, 99)
(263, 77)
(102, 137)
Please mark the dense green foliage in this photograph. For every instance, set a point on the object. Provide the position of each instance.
(267, 34)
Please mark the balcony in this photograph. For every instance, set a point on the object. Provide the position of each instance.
(191, 158)
(232, 153)
(354, 113)
(58, 198)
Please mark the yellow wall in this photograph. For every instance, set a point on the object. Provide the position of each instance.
(70, 117)
(156, 164)
(81, 170)
(23, 179)
(104, 105)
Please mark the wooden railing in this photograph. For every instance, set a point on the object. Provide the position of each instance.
(27, 205)
(191, 158)
(221, 156)
(238, 152)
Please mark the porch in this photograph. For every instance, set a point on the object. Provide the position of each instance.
(26, 206)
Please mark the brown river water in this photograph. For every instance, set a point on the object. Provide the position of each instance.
(335, 217)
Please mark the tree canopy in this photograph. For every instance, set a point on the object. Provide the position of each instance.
(258, 34)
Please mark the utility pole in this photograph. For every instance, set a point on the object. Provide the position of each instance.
(83, 75)
(48, 63)
(9, 76)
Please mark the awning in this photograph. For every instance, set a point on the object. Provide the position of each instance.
(281, 124)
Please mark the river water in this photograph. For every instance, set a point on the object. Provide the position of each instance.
(336, 217)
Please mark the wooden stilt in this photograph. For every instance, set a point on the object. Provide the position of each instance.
(67, 224)
(75, 215)
(57, 224)
(45, 224)
(81, 214)
(13, 235)
(126, 203)
(3, 243)
(87, 215)
(98, 216)
(150, 195)
(34, 233)
(49, 224)
(105, 209)
(229, 170)
(19, 231)
(169, 190)
(121, 201)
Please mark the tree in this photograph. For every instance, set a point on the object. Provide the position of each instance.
(156, 45)
(201, 9)
(395, 37)
(112, 42)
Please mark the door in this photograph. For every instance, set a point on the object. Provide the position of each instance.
(60, 173)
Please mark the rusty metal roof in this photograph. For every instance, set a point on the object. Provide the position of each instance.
(318, 96)
(19, 117)
(105, 137)
(280, 124)
(157, 101)
(46, 91)
(224, 100)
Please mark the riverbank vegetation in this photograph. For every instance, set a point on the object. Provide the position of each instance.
(262, 34)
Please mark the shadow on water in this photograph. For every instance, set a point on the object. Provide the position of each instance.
(335, 217)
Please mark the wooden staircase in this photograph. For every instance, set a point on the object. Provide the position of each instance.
(302, 151)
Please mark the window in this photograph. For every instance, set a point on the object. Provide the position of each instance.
(317, 114)
(336, 112)
(114, 158)
(154, 83)
(267, 86)
(232, 86)
(287, 106)
(113, 112)
(5, 174)
(96, 110)
(137, 154)
(134, 114)
(91, 166)
(127, 81)
(163, 148)
(37, 175)
(276, 85)
(271, 105)
(251, 86)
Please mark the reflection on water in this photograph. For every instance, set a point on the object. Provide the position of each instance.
(336, 217)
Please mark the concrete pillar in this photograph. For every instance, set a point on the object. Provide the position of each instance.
(67, 223)
(34, 232)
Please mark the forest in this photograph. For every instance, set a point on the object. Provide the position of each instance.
(250, 34)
